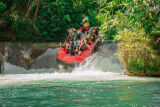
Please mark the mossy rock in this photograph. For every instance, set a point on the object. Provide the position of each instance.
(141, 73)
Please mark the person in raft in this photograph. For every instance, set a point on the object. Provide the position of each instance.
(89, 39)
(77, 41)
(67, 44)
(85, 24)
(84, 44)
(72, 34)
(69, 40)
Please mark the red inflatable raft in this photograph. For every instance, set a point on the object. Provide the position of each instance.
(68, 59)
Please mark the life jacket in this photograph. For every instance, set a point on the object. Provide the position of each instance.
(85, 21)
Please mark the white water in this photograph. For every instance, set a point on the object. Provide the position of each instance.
(96, 68)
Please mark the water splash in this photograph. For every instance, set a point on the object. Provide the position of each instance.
(100, 62)
(4, 59)
(26, 53)
(101, 66)
(86, 71)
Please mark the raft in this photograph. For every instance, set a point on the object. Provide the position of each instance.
(64, 58)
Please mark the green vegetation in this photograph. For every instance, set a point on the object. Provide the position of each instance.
(134, 23)
(43, 20)
(2, 7)
(117, 15)
(137, 53)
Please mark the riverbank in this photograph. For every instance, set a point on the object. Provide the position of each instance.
(141, 73)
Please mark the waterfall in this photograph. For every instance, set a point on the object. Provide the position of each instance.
(4, 59)
(23, 59)
(101, 65)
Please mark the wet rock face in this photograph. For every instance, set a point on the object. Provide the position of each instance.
(20, 55)
(108, 47)
(2, 49)
(37, 58)
(32, 56)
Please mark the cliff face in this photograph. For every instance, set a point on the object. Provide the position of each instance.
(28, 56)
(2, 49)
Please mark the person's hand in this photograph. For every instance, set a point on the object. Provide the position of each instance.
(89, 47)
(60, 44)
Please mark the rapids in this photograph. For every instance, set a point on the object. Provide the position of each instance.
(22, 63)
(31, 77)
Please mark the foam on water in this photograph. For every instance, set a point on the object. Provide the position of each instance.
(76, 76)
(95, 68)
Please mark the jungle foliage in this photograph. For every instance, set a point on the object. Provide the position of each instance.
(136, 25)
(44, 20)
(115, 15)
(2, 7)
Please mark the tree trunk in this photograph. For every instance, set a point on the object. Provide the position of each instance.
(36, 11)
(29, 8)
(157, 41)
(28, 3)
(0, 21)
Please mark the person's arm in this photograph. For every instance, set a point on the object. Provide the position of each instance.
(82, 22)
(88, 47)
(64, 44)
(83, 39)
(91, 42)
(87, 44)
(80, 44)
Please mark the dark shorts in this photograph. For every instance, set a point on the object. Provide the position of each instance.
(83, 47)
(76, 53)
(85, 29)
(69, 50)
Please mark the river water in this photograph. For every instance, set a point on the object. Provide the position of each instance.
(31, 77)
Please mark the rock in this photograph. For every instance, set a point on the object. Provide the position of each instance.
(138, 73)
(2, 49)
(32, 56)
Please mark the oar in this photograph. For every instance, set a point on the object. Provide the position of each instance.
(91, 50)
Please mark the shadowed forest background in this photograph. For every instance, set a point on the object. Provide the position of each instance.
(43, 20)
(134, 23)
(48, 20)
